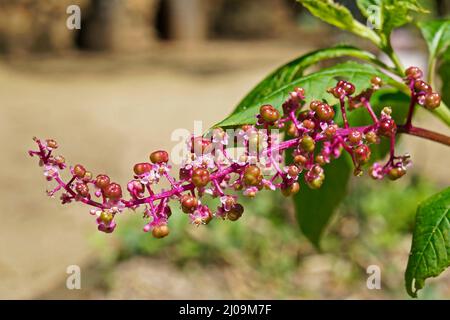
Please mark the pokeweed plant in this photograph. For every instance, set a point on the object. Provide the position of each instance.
(303, 133)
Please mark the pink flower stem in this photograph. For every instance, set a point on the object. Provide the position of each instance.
(71, 181)
(425, 134)
(171, 180)
(294, 119)
(73, 194)
(391, 152)
(412, 104)
(218, 188)
(275, 176)
(344, 112)
(368, 107)
(348, 149)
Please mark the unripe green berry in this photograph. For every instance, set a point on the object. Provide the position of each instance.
(200, 177)
(316, 183)
(188, 203)
(60, 160)
(314, 104)
(347, 87)
(318, 170)
(235, 212)
(79, 171)
(396, 173)
(113, 191)
(269, 113)
(87, 176)
(324, 112)
(292, 130)
(252, 175)
(307, 143)
(141, 168)
(293, 171)
(413, 73)
(106, 217)
(238, 186)
(355, 137)
(51, 143)
(160, 231)
(362, 154)
(102, 181)
(376, 81)
(422, 86)
(371, 137)
(320, 160)
(159, 156)
(432, 100)
(82, 189)
(308, 124)
(232, 216)
(330, 132)
(337, 92)
(387, 127)
(300, 160)
(290, 189)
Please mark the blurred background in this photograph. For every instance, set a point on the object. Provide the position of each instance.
(113, 91)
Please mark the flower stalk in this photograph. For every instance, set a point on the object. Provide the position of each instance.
(312, 137)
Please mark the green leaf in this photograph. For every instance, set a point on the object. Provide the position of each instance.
(339, 16)
(437, 36)
(386, 15)
(430, 249)
(294, 70)
(444, 73)
(397, 13)
(315, 85)
(314, 208)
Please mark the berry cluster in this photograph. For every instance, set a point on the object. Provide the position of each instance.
(311, 134)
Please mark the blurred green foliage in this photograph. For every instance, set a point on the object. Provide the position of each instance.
(263, 230)
(372, 224)
(386, 210)
(383, 211)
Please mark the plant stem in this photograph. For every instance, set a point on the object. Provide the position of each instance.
(397, 63)
(431, 68)
(443, 113)
(412, 104)
(425, 134)
(344, 113)
(395, 59)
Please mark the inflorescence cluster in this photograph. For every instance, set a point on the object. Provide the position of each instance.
(311, 134)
